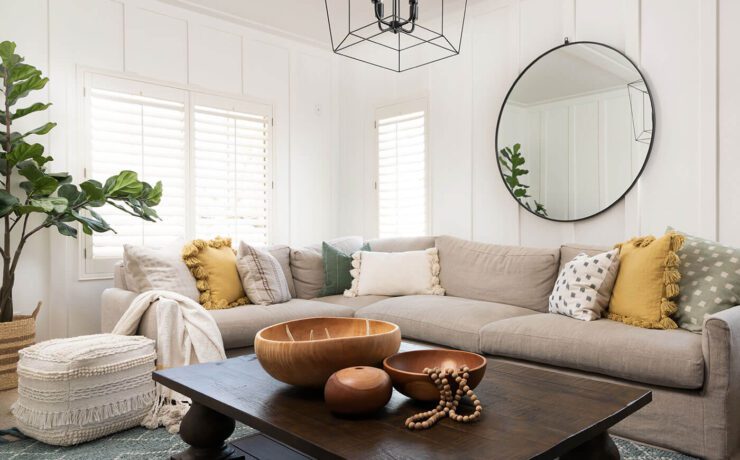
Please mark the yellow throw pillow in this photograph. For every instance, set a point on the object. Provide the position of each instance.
(213, 264)
(647, 280)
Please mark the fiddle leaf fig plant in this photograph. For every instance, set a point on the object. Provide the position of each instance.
(32, 198)
(512, 161)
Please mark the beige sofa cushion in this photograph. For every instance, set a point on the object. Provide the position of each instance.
(671, 358)
(449, 321)
(307, 265)
(239, 325)
(402, 244)
(352, 302)
(569, 251)
(505, 274)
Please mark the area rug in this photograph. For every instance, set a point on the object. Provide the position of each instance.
(140, 443)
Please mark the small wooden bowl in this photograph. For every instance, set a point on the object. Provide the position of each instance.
(406, 370)
(358, 390)
(305, 352)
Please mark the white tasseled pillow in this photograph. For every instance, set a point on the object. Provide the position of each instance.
(395, 273)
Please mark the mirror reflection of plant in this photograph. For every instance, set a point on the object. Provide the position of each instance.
(52, 196)
(511, 160)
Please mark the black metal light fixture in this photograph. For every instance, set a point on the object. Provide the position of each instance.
(390, 40)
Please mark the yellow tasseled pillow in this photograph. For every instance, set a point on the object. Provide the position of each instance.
(213, 264)
(647, 280)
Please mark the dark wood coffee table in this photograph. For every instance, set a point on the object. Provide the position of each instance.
(528, 413)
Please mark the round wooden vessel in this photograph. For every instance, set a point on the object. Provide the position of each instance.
(406, 370)
(305, 352)
(358, 390)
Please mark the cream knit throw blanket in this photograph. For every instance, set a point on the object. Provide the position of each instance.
(186, 334)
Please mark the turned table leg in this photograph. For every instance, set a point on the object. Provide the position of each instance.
(601, 447)
(205, 431)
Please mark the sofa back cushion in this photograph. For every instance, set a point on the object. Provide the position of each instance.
(401, 244)
(569, 251)
(307, 266)
(519, 276)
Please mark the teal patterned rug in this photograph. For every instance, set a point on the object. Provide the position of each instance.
(140, 443)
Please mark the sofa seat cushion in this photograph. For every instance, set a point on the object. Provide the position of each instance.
(240, 325)
(443, 320)
(671, 358)
(354, 303)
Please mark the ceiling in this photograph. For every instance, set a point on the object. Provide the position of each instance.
(573, 71)
(302, 18)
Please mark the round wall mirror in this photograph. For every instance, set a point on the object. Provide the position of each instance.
(575, 131)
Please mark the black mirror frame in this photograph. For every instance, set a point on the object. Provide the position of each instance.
(647, 156)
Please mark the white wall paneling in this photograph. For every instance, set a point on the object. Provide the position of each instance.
(729, 122)
(680, 58)
(166, 44)
(156, 45)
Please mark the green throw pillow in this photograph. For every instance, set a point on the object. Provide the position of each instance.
(337, 266)
(710, 281)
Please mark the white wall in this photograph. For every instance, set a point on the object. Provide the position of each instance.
(158, 41)
(673, 41)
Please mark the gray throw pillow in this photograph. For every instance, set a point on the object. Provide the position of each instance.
(710, 281)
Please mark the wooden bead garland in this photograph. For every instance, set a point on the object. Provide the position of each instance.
(448, 404)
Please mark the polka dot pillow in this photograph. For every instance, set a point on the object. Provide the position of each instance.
(584, 286)
(710, 281)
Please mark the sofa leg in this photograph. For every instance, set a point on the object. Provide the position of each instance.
(205, 431)
(601, 447)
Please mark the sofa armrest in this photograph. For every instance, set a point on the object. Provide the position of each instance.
(113, 304)
(721, 349)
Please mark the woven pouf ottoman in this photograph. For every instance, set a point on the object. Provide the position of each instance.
(82, 388)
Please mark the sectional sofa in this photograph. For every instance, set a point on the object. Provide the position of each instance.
(496, 303)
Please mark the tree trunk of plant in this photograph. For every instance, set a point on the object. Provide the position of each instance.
(6, 299)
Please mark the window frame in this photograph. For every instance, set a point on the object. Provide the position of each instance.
(405, 107)
(102, 268)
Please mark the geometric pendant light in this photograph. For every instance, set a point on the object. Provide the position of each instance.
(393, 35)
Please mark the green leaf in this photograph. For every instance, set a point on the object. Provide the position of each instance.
(37, 107)
(66, 230)
(39, 183)
(94, 223)
(23, 88)
(7, 53)
(126, 183)
(93, 189)
(50, 204)
(45, 128)
(22, 72)
(23, 151)
(7, 203)
(71, 194)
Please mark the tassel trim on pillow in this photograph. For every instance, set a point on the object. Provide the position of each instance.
(437, 288)
(354, 288)
(190, 256)
(671, 277)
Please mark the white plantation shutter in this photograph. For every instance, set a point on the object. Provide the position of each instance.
(142, 128)
(402, 171)
(233, 180)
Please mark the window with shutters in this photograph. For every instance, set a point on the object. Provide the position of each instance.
(402, 176)
(212, 154)
(233, 182)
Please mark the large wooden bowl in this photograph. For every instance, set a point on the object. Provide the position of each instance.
(406, 370)
(306, 352)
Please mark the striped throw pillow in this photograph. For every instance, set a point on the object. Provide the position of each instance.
(262, 277)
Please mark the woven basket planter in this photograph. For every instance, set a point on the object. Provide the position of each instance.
(15, 335)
